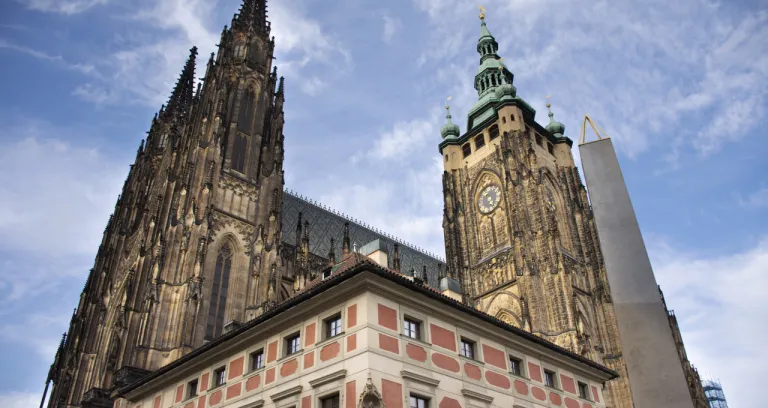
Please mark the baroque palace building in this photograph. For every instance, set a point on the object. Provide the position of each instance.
(205, 241)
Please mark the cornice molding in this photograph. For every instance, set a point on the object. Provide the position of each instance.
(476, 395)
(410, 375)
(287, 393)
(255, 404)
(328, 378)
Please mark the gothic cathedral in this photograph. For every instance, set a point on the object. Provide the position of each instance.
(197, 241)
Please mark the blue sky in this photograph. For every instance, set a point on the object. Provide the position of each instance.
(680, 86)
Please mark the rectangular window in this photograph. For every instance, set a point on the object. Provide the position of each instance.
(466, 149)
(192, 389)
(512, 116)
(411, 328)
(549, 379)
(583, 390)
(330, 402)
(479, 141)
(219, 376)
(467, 348)
(515, 365)
(257, 360)
(333, 326)
(418, 402)
(538, 140)
(292, 344)
(551, 148)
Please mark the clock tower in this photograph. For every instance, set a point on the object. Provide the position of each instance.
(519, 231)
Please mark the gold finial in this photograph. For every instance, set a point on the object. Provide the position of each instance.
(501, 64)
(447, 105)
(549, 105)
(482, 12)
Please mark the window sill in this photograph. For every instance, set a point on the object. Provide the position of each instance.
(472, 360)
(329, 340)
(415, 340)
(215, 387)
(253, 372)
(292, 355)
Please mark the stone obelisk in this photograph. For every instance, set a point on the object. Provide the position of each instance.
(656, 377)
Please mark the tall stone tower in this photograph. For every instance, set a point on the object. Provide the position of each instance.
(519, 231)
(194, 239)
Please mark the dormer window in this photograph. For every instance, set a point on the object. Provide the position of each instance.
(466, 149)
(479, 141)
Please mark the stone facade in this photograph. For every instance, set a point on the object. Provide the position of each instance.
(373, 362)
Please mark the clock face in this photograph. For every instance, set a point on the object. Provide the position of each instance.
(489, 199)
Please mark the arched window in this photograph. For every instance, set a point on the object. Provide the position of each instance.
(246, 112)
(466, 149)
(219, 293)
(493, 132)
(479, 141)
(238, 153)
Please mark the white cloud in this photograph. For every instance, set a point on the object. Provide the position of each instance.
(20, 399)
(64, 198)
(404, 139)
(720, 304)
(313, 86)
(62, 6)
(391, 26)
(145, 66)
(82, 68)
(756, 199)
(49, 328)
(637, 71)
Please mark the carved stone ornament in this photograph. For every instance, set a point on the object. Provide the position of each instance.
(246, 231)
(227, 182)
(370, 397)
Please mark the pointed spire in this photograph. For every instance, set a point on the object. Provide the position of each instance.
(396, 258)
(345, 243)
(280, 86)
(298, 231)
(252, 17)
(332, 253)
(181, 99)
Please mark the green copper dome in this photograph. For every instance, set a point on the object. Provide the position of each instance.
(450, 129)
(556, 128)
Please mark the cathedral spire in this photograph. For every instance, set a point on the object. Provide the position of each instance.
(181, 98)
(252, 17)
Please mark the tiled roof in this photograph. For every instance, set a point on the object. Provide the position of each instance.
(324, 224)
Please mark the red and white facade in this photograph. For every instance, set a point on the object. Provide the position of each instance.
(371, 362)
